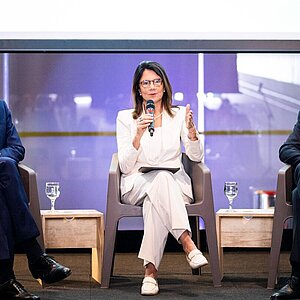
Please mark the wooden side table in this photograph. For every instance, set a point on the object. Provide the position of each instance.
(244, 228)
(76, 229)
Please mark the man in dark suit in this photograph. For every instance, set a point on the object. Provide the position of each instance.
(17, 226)
(289, 153)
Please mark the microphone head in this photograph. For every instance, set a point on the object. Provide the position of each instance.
(150, 105)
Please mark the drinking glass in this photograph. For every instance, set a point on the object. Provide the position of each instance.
(230, 191)
(52, 191)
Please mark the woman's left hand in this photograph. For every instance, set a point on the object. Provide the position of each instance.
(189, 122)
(189, 117)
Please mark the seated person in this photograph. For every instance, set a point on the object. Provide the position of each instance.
(162, 194)
(289, 153)
(17, 226)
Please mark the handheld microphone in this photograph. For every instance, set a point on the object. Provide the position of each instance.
(150, 108)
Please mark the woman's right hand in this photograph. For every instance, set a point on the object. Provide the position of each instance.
(142, 124)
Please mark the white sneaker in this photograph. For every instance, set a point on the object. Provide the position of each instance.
(149, 287)
(196, 259)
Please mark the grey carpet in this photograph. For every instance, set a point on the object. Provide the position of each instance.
(245, 277)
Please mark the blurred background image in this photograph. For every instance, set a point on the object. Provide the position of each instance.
(64, 106)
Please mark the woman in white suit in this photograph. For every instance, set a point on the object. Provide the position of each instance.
(162, 193)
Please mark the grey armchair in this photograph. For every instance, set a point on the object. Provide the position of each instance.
(202, 207)
(30, 184)
(283, 211)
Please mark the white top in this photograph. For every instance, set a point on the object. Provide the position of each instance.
(163, 149)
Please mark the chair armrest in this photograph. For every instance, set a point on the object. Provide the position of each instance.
(285, 182)
(24, 168)
(114, 164)
(200, 176)
(29, 180)
(114, 179)
(201, 182)
(27, 175)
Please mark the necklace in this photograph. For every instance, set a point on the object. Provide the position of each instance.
(158, 116)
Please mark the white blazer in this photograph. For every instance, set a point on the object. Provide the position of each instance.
(167, 153)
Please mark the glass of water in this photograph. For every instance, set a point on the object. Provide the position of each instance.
(230, 191)
(52, 191)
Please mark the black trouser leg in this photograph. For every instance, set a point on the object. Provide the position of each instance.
(6, 270)
(295, 252)
(32, 249)
(16, 223)
(16, 201)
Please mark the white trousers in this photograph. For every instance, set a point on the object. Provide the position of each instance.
(163, 212)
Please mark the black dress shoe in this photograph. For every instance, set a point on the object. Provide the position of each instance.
(15, 290)
(290, 291)
(48, 270)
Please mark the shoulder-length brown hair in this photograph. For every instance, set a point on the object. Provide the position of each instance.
(138, 99)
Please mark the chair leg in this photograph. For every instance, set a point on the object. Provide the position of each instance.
(211, 237)
(194, 223)
(109, 250)
(277, 232)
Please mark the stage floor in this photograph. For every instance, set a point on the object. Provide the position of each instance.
(245, 277)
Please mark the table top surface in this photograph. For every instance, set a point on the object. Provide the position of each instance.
(245, 212)
(71, 213)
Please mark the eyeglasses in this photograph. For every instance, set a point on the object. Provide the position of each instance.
(147, 83)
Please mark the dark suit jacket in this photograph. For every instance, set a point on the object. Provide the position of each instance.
(289, 152)
(10, 143)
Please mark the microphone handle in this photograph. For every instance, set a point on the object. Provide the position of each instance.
(151, 125)
(150, 108)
